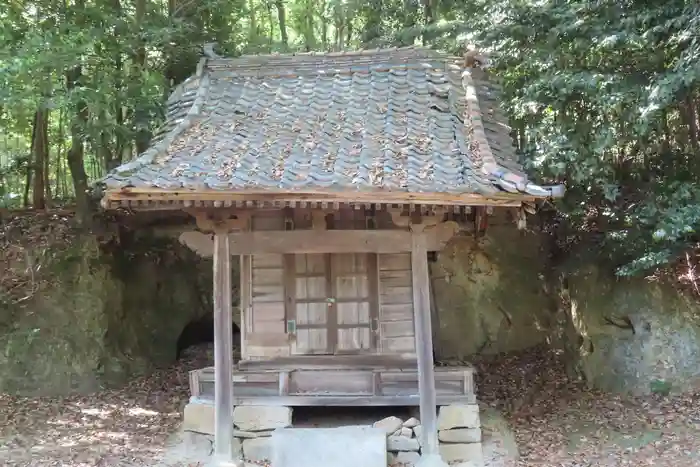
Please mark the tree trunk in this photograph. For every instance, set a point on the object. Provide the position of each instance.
(76, 153)
(282, 18)
(40, 148)
(30, 167)
(429, 12)
(253, 26)
(324, 25)
(692, 117)
(143, 135)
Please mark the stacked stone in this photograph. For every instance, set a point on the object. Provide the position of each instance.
(402, 441)
(253, 427)
(459, 434)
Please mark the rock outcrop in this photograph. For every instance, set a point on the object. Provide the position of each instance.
(632, 335)
(488, 294)
(93, 313)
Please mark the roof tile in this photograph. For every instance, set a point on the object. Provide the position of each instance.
(404, 121)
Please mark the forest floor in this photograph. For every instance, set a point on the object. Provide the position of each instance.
(557, 423)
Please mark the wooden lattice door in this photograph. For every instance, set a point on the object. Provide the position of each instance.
(333, 303)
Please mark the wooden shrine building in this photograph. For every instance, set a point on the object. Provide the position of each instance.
(331, 177)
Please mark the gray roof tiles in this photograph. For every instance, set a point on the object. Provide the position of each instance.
(373, 120)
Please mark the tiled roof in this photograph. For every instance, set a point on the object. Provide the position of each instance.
(401, 120)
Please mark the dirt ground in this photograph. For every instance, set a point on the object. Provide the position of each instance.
(557, 423)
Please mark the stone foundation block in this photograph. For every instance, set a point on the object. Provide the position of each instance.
(411, 422)
(261, 418)
(257, 449)
(389, 425)
(460, 435)
(458, 416)
(418, 432)
(199, 418)
(350, 446)
(402, 443)
(404, 459)
(452, 453)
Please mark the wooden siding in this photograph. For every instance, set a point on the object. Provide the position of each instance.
(396, 329)
(332, 307)
(265, 319)
(363, 386)
(370, 308)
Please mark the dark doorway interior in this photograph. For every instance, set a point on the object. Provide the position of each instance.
(200, 332)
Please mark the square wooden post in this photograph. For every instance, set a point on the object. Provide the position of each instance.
(223, 353)
(424, 348)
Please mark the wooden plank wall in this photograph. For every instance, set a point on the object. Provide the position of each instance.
(396, 333)
(265, 322)
(265, 318)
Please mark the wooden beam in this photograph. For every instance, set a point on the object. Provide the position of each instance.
(424, 345)
(321, 241)
(246, 300)
(223, 353)
(231, 198)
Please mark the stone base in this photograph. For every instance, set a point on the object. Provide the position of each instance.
(459, 435)
(253, 426)
(349, 446)
(459, 432)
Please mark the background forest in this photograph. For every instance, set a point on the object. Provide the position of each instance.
(603, 95)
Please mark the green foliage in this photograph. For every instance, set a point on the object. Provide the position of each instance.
(604, 99)
(603, 95)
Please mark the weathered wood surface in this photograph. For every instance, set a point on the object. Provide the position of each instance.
(424, 342)
(223, 351)
(331, 362)
(336, 303)
(396, 329)
(349, 386)
(143, 197)
(320, 241)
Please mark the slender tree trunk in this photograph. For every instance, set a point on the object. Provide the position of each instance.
(60, 187)
(30, 167)
(47, 168)
(40, 149)
(429, 12)
(692, 117)
(324, 25)
(282, 18)
(76, 153)
(143, 135)
(253, 26)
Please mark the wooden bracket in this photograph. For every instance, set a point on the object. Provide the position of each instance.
(221, 221)
(408, 219)
(400, 218)
(318, 219)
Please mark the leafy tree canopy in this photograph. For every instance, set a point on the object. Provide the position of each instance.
(603, 95)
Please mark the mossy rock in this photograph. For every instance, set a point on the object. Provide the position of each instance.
(103, 317)
(635, 335)
(489, 294)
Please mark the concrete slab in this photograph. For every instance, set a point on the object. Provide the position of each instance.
(348, 446)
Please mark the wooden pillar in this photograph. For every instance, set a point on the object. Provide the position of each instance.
(223, 353)
(424, 347)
